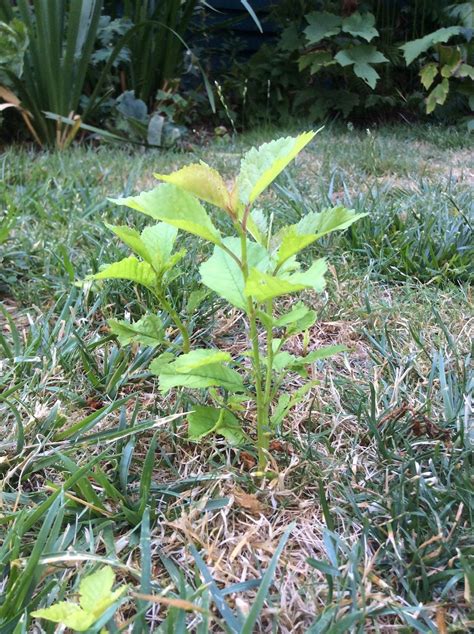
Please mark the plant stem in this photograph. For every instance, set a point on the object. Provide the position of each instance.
(176, 318)
(262, 410)
(269, 372)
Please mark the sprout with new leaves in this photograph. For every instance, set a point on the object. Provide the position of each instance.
(249, 269)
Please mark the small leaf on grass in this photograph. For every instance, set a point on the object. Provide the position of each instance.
(128, 269)
(95, 597)
(202, 181)
(68, 614)
(205, 420)
(176, 207)
(148, 331)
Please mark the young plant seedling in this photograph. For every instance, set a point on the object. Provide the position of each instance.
(249, 269)
(96, 597)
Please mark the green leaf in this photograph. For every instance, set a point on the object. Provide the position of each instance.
(147, 331)
(428, 73)
(95, 597)
(176, 207)
(96, 588)
(315, 60)
(205, 420)
(321, 25)
(197, 369)
(222, 274)
(262, 286)
(299, 318)
(258, 226)
(260, 166)
(412, 50)
(287, 402)
(68, 614)
(312, 227)
(198, 358)
(328, 220)
(195, 299)
(290, 39)
(128, 269)
(159, 241)
(450, 58)
(202, 181)
(13, 44)
(312, 277)
(280, 410)
(465, 70)
(361, 57)
(283, 360)
(154, 244)
(437, 96)
(360, 25)
(132, 239)
(292, 243)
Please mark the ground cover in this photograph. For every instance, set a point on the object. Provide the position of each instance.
(373, 467)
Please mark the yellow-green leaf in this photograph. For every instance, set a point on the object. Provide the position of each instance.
(205, 420)
(293, 242)
(312, 227)
(312, 277)
(95, 587)
(159, 241)
(427, 74)
(154, 244)
(260, 166)
(437, 96)
(176, 207)
(68, 614)
(148, 331)
(131, 238)
(201, 180)
(262, 286)
(198, 358)
(223, 275)
(128, 269)
(206, 369)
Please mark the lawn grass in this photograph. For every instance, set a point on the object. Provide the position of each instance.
(373, 467)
